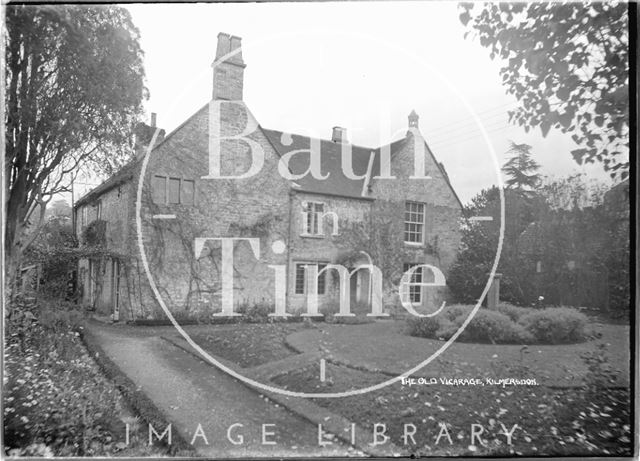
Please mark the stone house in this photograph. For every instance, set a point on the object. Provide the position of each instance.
(395, 208)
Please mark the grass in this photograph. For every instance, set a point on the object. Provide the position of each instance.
(395, 352)
(552, 421)
(248, 344)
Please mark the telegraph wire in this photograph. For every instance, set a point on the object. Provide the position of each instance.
(466, 131)
(471, 131)
(443, 146)
(466, 119)
(470, 125)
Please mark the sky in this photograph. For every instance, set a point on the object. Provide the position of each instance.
(361, 65)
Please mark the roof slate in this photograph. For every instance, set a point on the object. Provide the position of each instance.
(121, 176)
(337, 183)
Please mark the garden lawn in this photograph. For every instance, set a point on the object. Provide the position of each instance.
(246, 344)
(394, 352)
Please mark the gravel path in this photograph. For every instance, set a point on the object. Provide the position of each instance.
(189, 393)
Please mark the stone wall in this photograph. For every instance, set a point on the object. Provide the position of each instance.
(442, 209)
(326, 248)
(255, 207)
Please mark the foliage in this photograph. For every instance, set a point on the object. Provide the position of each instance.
(521, 169)
(423, 327)
(381, 237)
(486, 326)
(600, 375)
(330, 308)
(256, 312)
(508, 325)
(457, 310)
(568, 64)
(56, 402)
(59, 209)
(572, 191)
(55, 236)
(513, 312)
(56, 251)
(567, 243)
(469, 273)
(74, 88)
(492, 327)
(95, 233)
(555, 325)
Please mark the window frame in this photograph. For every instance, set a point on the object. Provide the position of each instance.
(422, 224)
(181, 180)
(408, 289)
(322, 278)
(164, 189)
(168, 196)
(314, 217)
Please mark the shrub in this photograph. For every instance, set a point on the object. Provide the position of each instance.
(513, 312)
(423, 327)
(555, 325)
(485, 327)
(256, 312)
(457, 310)
(493, 327)
(330, 308)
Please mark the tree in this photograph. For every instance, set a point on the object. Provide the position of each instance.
(74, 88)
(470, 271)
(59, 209)
(567, 63)
(521, 168)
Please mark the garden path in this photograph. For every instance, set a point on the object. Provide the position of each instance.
(189, 392)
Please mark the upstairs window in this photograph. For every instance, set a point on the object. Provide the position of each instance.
(414, 223)
(159, 189)
(172, 191)
(301, 278)
(187, 192)
(411, 291)
(313, 224)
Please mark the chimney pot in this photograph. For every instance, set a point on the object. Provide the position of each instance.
(153, 119)
(228, 68)
(339, 134)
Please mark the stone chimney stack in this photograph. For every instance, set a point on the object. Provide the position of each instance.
(153, 119)
(228, 68)
(339, 135)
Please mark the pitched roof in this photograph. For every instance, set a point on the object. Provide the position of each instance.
(337, 183)
(121, 176)
(127, 171)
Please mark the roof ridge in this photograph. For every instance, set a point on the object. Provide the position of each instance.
(331, 141)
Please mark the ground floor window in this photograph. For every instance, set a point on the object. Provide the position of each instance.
(301, 277)
(411, 291)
